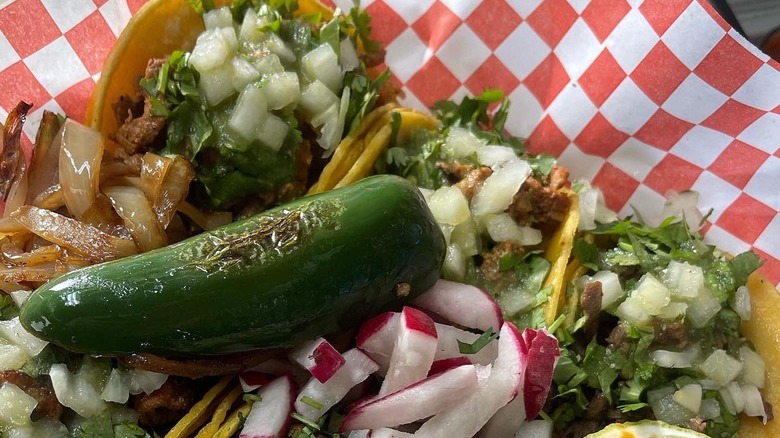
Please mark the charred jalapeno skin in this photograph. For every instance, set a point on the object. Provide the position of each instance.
(315, 266)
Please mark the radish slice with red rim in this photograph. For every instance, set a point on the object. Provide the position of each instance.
(319, 357)
(270, 416)
(542, 355)
(461, 304)
(252, 380)
(413, 353)
(316, 398)
(415, 402)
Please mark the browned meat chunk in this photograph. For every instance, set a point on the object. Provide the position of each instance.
(619, 338)
(591, 305)
(473, 181)
(137, 131)
(491, 264)
(166, 405)
(38, 388)
(671, 334)
(540, 202)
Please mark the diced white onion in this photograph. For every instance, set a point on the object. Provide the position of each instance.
(268, 64)
(685, 280)
(13, 331)
(426, 193)
(461, 143)
(316, 98)
(710, 409)
(20, 296)
(249, 113)
(75, 392)
(331, 115)
(742, 303)
(515, 300)
(12, 357)
(721, 368)
(216, 84)
(322, 64)
(282, 89)
(454, 263)
(250, 28)
(689, 397)
(244, 73)
(593, 208)
(672, 311)
(142, 381)
(218, 18)
(280, 48)
(466, 237)
(651, 294)
(669, 411)
(228, 35)
(753, 367)
(330, 134)
(117, 387)
(702, 308)
(16, 406)
(273, 132)
(449, 206)
(495, 156)
(683, 205)
(732, 398)
(754, 404)
(632, 311)
(502, 228)
(349, 56)
(210, 51)
(611, 289)
(499, 189)
(675, 359)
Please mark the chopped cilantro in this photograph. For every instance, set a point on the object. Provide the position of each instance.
(485, 338)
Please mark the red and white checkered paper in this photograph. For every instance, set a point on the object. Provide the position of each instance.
(638, 96)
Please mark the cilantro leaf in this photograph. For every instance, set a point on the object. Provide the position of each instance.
(485, 338)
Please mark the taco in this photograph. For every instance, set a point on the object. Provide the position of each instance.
(659, 325)
(257, 95)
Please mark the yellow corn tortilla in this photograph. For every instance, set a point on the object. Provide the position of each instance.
(557, 252)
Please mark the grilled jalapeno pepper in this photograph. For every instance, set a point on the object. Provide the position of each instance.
(311, 267)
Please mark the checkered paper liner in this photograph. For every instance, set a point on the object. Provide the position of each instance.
(639, 97)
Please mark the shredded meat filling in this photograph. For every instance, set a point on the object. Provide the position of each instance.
(591, 299)
(138, 131)
(540, 202)
(167, 404)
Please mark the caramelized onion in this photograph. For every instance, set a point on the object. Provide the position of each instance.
(44, 164)
(12, 162)
(71, 234)
(139, 217)
(79, 165)
(166, 182)
(198, 368)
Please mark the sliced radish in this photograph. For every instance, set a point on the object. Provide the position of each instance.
(542, 355)
(496, 387)
(440, 366)
(420, 400)
(270, 416)
(316, 397)
(388, 433)
(252, 380)
(377, 337)
(506, 422)
(462, 304)
(319, 357)
(413, 353)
